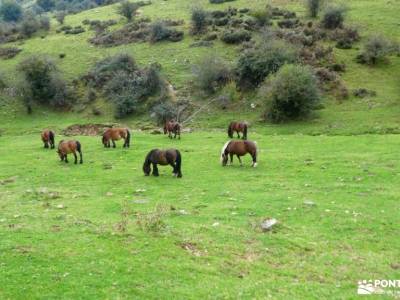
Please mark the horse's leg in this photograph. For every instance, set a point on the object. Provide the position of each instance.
(254, 156)
(125, 144)
(240, 160)
(175, 134)
(76, 157)
(231, 157)
(113, 142)
(65, 158)
(238, 134)
(170, 134)
(155, 170)
(46, 144)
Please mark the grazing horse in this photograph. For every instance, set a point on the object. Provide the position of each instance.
(170, 157)
(174, 127)
(238, 127)
(48, 138)
(67, 147)
(238, 148)
(115, 134)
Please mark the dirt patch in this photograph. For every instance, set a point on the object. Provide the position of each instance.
(86, 129)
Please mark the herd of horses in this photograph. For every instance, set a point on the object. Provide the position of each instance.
(156, 157)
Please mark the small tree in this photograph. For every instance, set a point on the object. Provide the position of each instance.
(333, 17)
(127, 9)
(10, 11)
(376, 49)
(199, 20)
(313, 7)
(60, 17)
(211, 73)
(291, 94)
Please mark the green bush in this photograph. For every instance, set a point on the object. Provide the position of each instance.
(159, 32)
(376, 49)
(262, 17)
(211, 73)
(128, 9)
(235, 36)
(10, 11)
(333, 17)
(163, 112)
(291, 94)
(42, 82)
(199, 21)
(255, 64)
(313, 7)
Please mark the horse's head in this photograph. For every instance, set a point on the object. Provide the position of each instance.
(146, 168)
(224, 154)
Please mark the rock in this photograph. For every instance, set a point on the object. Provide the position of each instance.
(268, 224)
(140, 201)
(109, 194)
(215, 224)
(309, 203)
(60, 206)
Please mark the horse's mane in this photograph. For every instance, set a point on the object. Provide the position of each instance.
(224, 148)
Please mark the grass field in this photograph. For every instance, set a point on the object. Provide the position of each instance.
(71, 231)
(102, 230)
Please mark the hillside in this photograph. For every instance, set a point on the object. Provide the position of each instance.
(376, 114)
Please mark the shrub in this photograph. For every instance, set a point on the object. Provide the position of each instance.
(9, 52)
(44, 23)
(333, 17)
(262, 17)
(159, 31)
(46, 5)
(376, 49)
(127, 9)
(3, 83)
(42, 82)
(199, 21)
(163, 112)
(313, 7)
(211, 73)
(291, 94)
(289, 23)
(255, 64)
(235, 36)
(10, 11)
(29, 26)
(60, 17)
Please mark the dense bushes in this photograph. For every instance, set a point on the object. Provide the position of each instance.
(257, 63)
(9, 52)
(211, 73)
(376, 49)
(333, 17)
(291, 94)
(43, 83)
(235, 36)
(124, 83)
(10, 11)
(159, 32)
(163, 112)
(199, 20)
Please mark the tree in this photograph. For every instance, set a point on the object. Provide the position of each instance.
(199, 20)
(291, 94)
(60, 17)
(376, 48)
(11, 11)
(47, 5)
(127, 9)
(313, 7)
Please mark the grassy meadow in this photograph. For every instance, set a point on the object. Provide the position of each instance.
(102, 230)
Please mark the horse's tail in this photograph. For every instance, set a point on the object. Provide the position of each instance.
(79, 149)
(178, 163)
(128, 137)
(255, 154)
(230, 130)
(51, 137)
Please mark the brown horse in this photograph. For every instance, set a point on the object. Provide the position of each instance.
(170, 157)
(174, 127)
(238, 127)
(48, 138)
(67, 147)
(115, 134)
(238, 148)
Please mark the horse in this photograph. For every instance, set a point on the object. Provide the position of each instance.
(48, 138)
(239, 148)
(67, 147)
(115, 134)
(170, 157)
(238, 127)
(174, 127)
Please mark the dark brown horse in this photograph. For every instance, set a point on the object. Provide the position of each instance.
(156, 157)
(238, 127)
(48, 138)
(67, 147)
(174, 127)
(238, 148)
(115, 134)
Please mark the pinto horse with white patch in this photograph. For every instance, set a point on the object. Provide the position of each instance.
(238, 148)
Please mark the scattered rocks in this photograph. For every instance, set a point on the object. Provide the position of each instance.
(268, 224)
